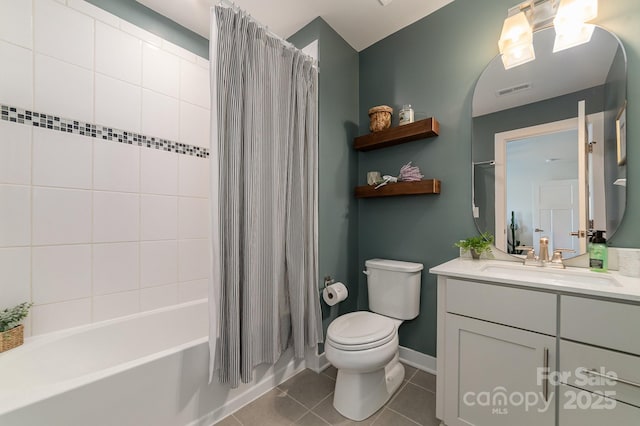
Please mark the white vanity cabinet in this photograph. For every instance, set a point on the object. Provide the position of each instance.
(497, 342)
(496, 339)
(600, 356)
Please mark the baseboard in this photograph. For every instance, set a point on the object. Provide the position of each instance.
(251, 393)
(315, 362)
(418, 360)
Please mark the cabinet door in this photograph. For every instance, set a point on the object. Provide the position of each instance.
(582, 408)
(495, 375)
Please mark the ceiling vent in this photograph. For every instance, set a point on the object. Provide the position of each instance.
(514, 89)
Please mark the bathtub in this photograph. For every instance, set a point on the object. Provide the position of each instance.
(145, 369)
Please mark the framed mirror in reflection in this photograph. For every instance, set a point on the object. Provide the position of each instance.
(544, 149)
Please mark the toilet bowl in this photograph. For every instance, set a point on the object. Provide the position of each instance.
(366, 357)
(363, 346)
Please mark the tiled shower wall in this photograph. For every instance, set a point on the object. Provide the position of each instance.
(103, 166)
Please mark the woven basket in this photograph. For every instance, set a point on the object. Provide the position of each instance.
(380, 118)
(11, 338)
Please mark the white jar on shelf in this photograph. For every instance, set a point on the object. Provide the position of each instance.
(406, 115)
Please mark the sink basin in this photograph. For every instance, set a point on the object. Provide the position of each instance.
(550, 276)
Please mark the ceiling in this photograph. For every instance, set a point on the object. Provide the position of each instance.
(360, 22)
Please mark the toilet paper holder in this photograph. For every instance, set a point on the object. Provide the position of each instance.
(328, 281)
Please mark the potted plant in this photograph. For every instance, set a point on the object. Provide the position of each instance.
(477, 244)
(11, 331)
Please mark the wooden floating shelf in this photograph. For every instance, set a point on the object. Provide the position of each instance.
(422, 129)
(427, 186)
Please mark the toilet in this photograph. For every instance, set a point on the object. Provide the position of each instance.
(363, 345)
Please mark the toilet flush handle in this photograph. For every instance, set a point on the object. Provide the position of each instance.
(365, 272)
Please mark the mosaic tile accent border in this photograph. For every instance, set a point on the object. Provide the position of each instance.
(52, 122)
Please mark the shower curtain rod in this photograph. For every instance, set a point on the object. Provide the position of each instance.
(233, 5)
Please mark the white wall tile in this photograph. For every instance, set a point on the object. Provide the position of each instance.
(116, 166)
(115, 305)
(94, 11)
(61, 216)
(118, 103)
(61, 159)
(58, 316)
(160, 115)
(158, 263)
(158, 217)
(63, 33)
(194, 125)
(158, 297)
(63, 89)
(193, 218)
(118, 54)
(160, 71)
(140, 33)
(15, 22)
(15, 153)
(193, 290)
(178, 51)
(115, 267)
(193, 176)
(15, 285)
(193, 259)
(15, 215)
(16, 75)
(159, 172)
(116, 217)
(194, 84)
(61, 273)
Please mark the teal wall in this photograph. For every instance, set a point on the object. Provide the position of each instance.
(433, 64)
(143, 17)
(338, 109)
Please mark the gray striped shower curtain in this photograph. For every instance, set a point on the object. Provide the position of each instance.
(264, 166)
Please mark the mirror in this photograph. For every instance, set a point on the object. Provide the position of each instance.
(531, 177)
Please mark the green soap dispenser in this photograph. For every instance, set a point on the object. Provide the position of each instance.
(598, 252)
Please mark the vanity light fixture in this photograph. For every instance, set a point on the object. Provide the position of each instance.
(569, 17)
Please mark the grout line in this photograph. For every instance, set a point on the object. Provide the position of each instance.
(400, 414)
(303, 414)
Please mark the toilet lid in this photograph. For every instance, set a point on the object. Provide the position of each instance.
(360, 330)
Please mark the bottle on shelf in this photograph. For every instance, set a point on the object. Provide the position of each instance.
(406, 115)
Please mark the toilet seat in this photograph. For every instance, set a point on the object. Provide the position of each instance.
(361, 330)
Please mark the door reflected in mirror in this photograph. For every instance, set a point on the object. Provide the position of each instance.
(533, 172)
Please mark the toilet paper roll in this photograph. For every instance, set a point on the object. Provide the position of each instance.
(335, 293)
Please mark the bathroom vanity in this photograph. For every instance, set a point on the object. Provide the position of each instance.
(521, 345)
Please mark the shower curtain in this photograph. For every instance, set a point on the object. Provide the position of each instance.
(264, 166)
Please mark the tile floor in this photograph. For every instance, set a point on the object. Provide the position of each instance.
(307, 400)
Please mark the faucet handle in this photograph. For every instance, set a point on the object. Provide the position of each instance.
(531, 252)
(557, 255)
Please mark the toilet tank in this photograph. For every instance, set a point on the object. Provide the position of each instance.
(394, 287)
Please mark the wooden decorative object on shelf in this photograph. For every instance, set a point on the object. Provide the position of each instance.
(427, 186)
(426, 128)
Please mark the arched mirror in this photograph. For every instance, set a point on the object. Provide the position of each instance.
(549, 141)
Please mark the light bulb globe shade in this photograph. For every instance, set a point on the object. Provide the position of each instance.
(568, 39)
(518, 55)
(515, 31)
(575, 12)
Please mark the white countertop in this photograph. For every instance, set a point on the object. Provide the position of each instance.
(579, 281)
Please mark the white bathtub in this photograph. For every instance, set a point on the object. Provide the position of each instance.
(145, 369)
